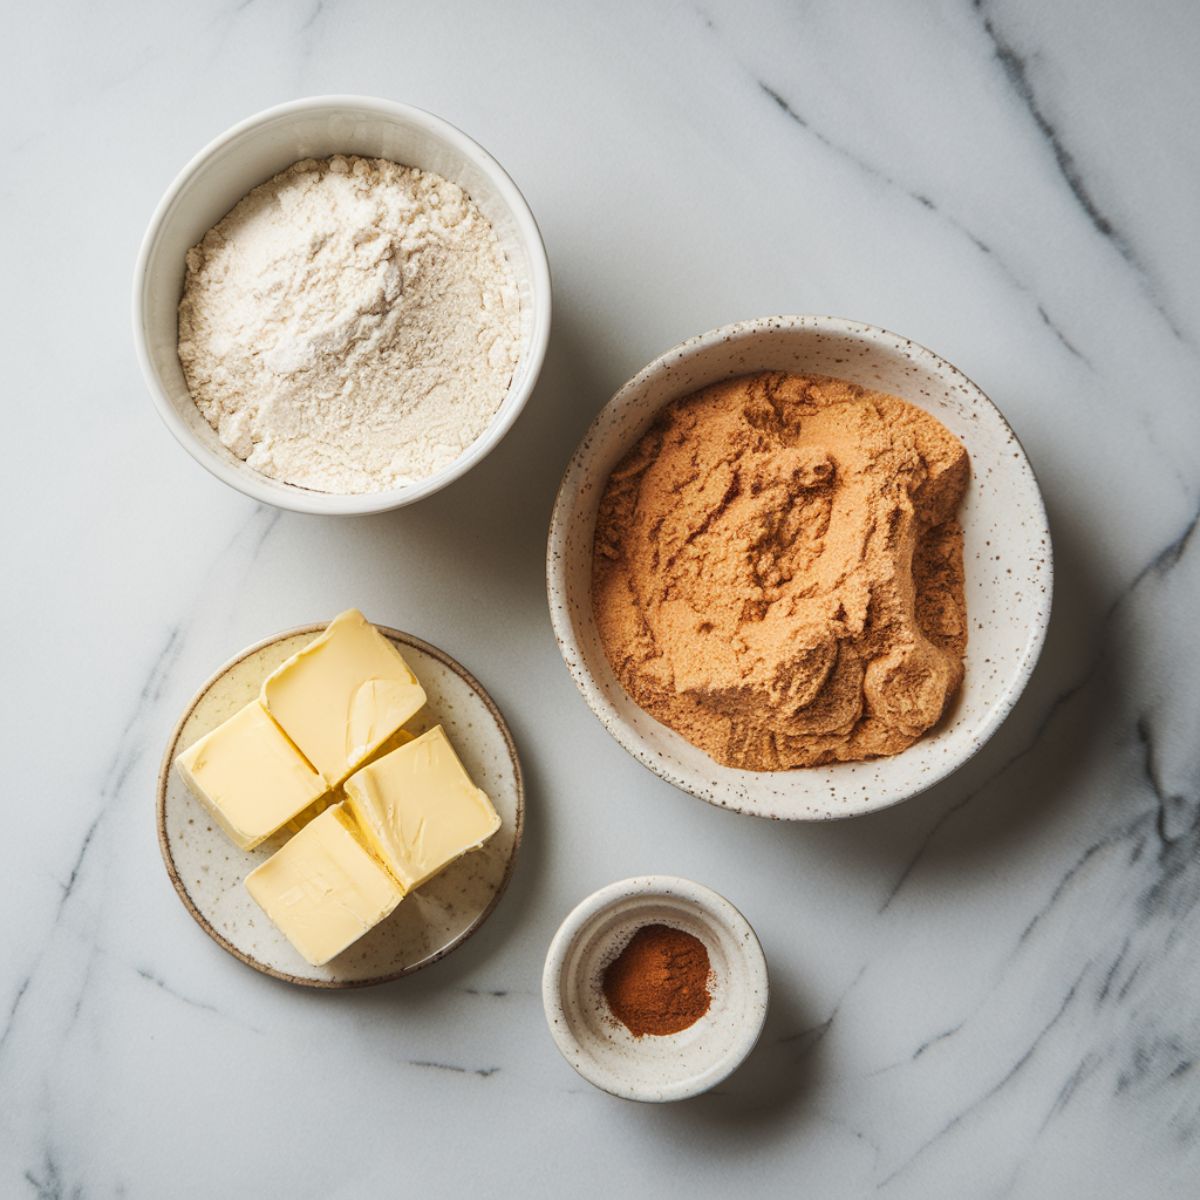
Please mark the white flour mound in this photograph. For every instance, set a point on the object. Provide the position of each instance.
(351, 326)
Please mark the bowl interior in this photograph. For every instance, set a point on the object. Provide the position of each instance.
(652, 1067)
(252, 154)
(1007, 560)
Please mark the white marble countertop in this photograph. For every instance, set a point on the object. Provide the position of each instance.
(991, 990)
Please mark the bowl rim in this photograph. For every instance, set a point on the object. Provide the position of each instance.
(288, 496)
(716, 908)
(564, 513)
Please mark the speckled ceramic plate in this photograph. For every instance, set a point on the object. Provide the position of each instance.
(208, 870)
(1007, 559)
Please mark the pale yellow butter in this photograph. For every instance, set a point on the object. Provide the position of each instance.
(323, 889)
(419, 810)
(249, 776)
(343, 695)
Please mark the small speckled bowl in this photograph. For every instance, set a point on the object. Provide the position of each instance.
(654, 1068)
(1007, 560)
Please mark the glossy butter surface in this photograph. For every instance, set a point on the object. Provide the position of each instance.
(249, 776)
(343, 695)
(323, 889)
(419, 810)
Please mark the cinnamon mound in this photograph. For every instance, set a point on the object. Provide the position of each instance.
(658, 984)
(778, 571)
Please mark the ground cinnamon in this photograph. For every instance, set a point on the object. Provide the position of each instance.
(658, 984)
(778, 571)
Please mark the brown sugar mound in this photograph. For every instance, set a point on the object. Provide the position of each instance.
(778, 571)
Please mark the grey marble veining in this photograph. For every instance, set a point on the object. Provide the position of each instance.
(988, 991)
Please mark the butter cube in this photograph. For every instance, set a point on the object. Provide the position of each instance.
(419, 810)
(323, 889)
(249, 776)
(343, 695)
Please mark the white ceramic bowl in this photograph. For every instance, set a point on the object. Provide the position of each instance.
(654, 1068)
(251, 153)
(1007, 559)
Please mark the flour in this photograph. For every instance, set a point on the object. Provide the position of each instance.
(352, 325)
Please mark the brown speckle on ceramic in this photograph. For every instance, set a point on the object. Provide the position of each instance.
(1007, 560)
(208, 870)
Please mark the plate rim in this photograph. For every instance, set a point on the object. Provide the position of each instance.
(164, 843)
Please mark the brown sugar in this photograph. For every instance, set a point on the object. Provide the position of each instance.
(778, 571)
(658, 984)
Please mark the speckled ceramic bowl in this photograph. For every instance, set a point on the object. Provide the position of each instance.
(209, 871)
(1008, 561)
(654, 1068)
